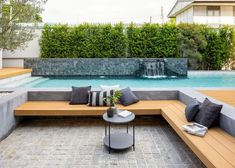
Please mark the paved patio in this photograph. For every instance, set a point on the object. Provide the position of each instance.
(72, 143)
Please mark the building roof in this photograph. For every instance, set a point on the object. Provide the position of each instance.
(182, 5)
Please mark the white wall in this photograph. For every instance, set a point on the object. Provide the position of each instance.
(13, 62)
(185, 17)
(15, 58)
(227, 15)
(200, 16)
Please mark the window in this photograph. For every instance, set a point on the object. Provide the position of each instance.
(213, 10)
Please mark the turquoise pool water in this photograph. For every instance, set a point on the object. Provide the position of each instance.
(194, 79)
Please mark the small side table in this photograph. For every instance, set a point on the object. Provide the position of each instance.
(119, 141)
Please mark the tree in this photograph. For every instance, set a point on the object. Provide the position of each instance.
(191, 41)
(18, 19)
(219, 50)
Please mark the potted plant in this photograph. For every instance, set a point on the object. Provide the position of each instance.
(114, 100)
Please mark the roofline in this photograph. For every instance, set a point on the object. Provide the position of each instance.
(191, 4)
(180, 11)
(172, 9)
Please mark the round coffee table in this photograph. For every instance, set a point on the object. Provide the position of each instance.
(119, 141)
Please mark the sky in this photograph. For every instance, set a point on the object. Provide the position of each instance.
(105, 11)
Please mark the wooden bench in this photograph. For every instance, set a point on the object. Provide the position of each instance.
(63, 108)
(216, 149)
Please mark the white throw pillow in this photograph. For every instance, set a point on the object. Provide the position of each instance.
(107, 88)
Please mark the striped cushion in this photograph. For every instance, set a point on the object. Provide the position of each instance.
(96, 98)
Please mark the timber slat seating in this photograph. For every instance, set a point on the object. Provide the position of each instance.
(216, 149)
(63, 108)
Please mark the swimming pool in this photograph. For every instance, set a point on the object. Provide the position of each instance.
(194, 79)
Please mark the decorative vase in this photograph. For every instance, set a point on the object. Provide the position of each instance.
(111, 111)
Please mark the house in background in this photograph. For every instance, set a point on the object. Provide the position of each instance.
(210, 12)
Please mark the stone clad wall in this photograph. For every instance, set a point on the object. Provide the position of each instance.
(99, 66)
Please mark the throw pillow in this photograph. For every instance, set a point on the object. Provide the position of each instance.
(128, 97)
(191, 110)
(208, 113)
(96, 98)
(80, 95)
(107, 88)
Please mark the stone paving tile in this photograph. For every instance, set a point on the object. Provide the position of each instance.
(78, 142)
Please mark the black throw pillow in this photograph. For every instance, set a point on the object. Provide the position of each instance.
(128, 97)
(80, 95)
(191, 110)
(208, 113)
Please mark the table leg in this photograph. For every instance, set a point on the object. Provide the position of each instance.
(105, 128)
(109, 137)
(133, 135)
(127, 127)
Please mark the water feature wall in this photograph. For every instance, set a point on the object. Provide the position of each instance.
(107, 66)
(154, 68)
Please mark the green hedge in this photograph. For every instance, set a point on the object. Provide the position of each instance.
(83, 41)
(152, 40)
(219, 49)
(213, 48)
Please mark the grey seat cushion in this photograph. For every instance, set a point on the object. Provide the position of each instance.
(128, 97)
(80, 95)
(191, 110)
(208, 113)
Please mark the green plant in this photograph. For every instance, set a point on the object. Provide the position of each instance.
(219, 48)
(191, 41)
(152, 40)
(210, 48)
(114, 99)
(83, 41)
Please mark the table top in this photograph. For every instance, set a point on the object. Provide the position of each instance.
(116, 119)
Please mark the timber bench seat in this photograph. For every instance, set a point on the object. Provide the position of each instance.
(63, 108)
(215, 149)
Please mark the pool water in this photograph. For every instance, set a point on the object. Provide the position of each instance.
(194, 79)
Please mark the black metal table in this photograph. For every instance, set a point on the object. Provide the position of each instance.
(119, 141)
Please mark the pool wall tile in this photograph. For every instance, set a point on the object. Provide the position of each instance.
(101, 66)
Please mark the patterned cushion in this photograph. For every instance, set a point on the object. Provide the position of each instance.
(96, 98)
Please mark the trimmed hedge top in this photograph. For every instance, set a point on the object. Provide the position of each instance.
(83, 41)
(213, 48)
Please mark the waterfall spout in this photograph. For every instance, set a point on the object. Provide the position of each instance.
(154, 69)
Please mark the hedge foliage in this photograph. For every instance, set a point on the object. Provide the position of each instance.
(152, 40)
(212, 47)
(83, 41)
(219, 49)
